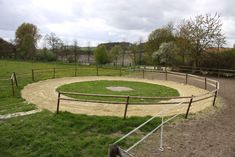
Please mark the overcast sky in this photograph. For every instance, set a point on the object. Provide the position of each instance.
(108, 20)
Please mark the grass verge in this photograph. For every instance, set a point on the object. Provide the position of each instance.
(66, 134)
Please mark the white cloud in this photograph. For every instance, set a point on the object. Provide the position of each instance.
(107, 20)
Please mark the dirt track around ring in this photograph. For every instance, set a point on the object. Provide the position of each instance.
(210, 133)
(44, 95)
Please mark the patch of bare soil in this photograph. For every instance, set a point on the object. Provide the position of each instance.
(118, 88)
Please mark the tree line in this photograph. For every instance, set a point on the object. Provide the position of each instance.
(196, 41)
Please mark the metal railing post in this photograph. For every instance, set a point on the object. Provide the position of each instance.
(58, 103)
(127, 103)
(189, 105)
(161, 137)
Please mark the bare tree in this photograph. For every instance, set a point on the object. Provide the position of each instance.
(202, 32)
(220, 42)
(54, 42)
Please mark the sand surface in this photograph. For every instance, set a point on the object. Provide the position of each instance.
(44, 95)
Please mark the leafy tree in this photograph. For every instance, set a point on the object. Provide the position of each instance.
(45, 55)
(27, 36)
(166, 54)
(115, 53)
(101, 55)
(203, 31)
(7, 49)
(27, 47)
(156, 38)
(185, 49)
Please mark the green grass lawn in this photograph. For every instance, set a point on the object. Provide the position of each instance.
(99, 87)
(66, 134)
(23, 70)
(47, 134)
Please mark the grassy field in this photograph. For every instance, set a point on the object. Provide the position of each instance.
(47, 134)
(42, 71)
(65, 134)
(99, 87)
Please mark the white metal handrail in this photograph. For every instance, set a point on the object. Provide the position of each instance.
(159, 114)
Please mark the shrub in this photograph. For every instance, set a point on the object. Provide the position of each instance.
(222, 60)
(45, 55)
(101, 55)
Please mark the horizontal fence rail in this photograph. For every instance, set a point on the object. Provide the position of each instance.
(128, 100)
(114, 146)
(209, 84)
(208, 71)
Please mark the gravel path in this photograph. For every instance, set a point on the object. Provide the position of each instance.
(44, 95)
(208, 134)
(19, 114)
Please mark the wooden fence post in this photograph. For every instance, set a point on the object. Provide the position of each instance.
(120, 72)
(143, 73)
(16, 82)
(215, 98)
(216, 93)
(76, 69)
(12, 86)
(58, 103)
(113, 151)
(189, 105)
(127, 103)
(33, 75)
(186, 79)
(97, 70)
(205, 83)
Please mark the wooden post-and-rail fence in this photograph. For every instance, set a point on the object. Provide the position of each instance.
(125, 111)
(75, 71)
(207, 81)
(190, 101)
(14, 83)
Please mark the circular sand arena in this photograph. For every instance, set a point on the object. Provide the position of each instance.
(44, 95)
